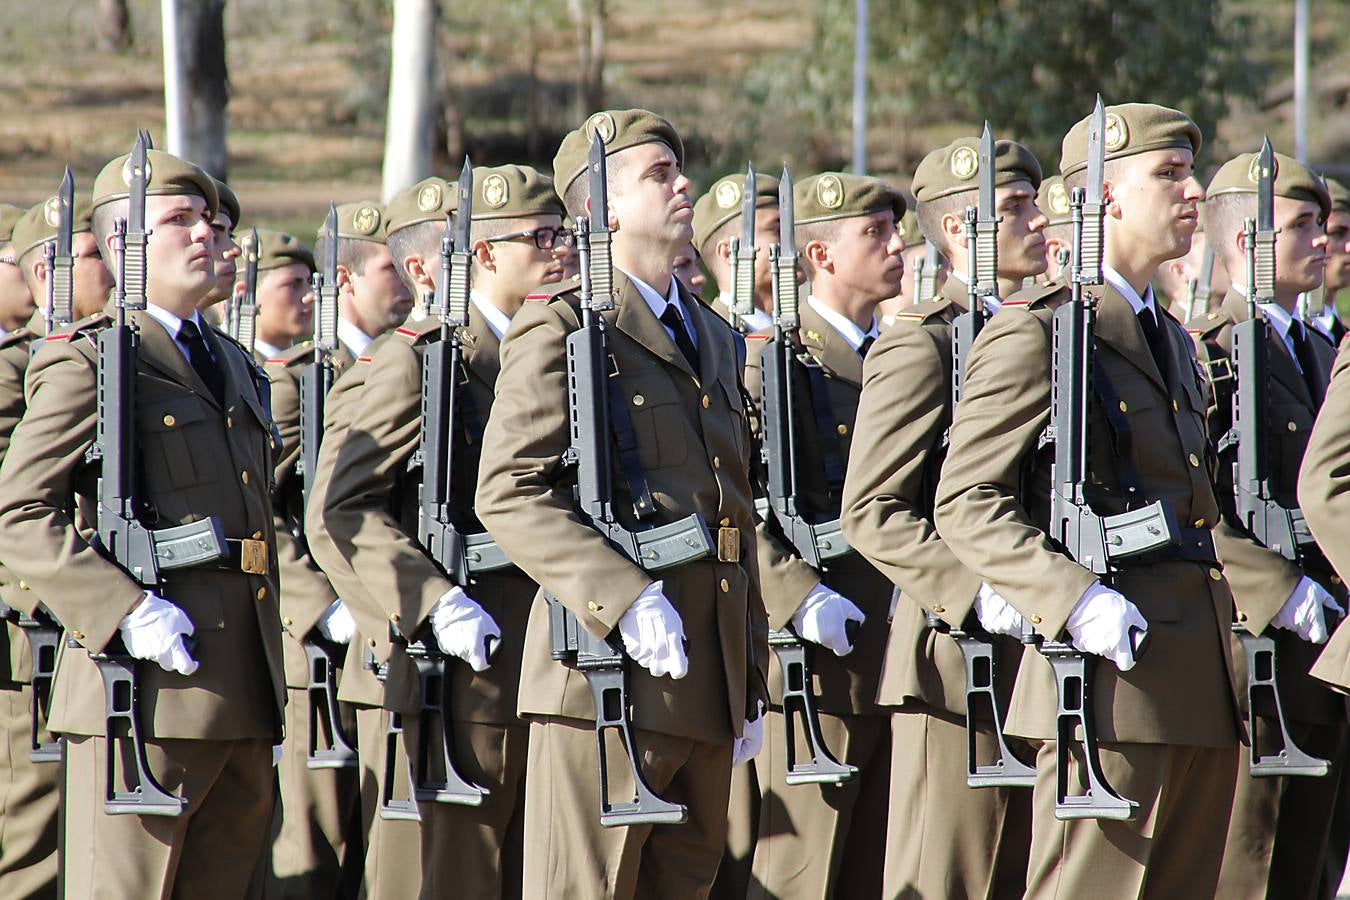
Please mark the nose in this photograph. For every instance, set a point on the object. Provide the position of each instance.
(681, 184)
(1038, 222)
(896, 245)
(1193, 190)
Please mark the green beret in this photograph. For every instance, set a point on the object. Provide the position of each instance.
(9, 216)
(168, 176)
(722, 203)
(427, 201)
(1131, 128)
(909, 229)
(1340, 195)
(277, 249)
(840, 195)
(955, 168)
(513, 192)
(229, 203)
(363, 221)
(1292, 180)
(38, 225)
(1053, 199)
(619, 129)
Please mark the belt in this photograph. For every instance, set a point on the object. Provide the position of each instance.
(246, 555)
(1192, 545)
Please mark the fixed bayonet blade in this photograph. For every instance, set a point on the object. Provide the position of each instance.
(1264, 284)
(63, 263)
(598, 238)
(138, 178)
(1096, 156)
(461, 259)
(743, 270)
(326, 299)
(248, 305)
(785, 259)
(926, 274)
(1088, 265)
(986, 221)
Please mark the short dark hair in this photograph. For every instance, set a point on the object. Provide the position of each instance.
(422, 239)
(574, 198)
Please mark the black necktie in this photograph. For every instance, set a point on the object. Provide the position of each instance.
(1156, 342)
(866, 345)
(672, 319)
(199, 355)
(1307, 361)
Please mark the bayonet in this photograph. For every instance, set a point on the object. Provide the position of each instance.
(598, 237)
(1261, 287)
(743, 255)
(926, 274)
(131, 284)
(63, 262)
(985, 248)
(246, 310)
(457, 295)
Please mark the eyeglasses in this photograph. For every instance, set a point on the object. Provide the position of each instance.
(544, 238)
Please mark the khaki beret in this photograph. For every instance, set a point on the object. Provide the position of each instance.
(722, 203)
(363, 221)
(841, 195)
(38, 225)
(513, 192)
(955, 168)
(619, 129)
(1053, 200)
(9, 217)
(1292, 180)
(229, 202)
(427, 201)
(910, 231)
(277, 249)
(1131, 128)
(168, 176)
(1340, 195)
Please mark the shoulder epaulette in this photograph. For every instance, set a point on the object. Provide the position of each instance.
(758, 336)
(1034, 296)
(547, 292)
(80, 326)
(1208, 323)
(17, 336)
(414, 332)
(301, 352)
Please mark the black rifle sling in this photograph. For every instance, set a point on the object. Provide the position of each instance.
(826, 428)
(625, 436)
(1122, 437)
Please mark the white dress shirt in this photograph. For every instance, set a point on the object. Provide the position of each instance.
(658, 304)
(842, 324)
(172, 323)
(991, 304)
(352, 337)
(1117, 281)
(497, 320)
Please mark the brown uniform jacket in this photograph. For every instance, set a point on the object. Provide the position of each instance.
(993, 508)
(15, 664)
(370, 513)
(198, 460)
(694, 445)
(305, 592)
(1262, 579)
(844, 684)
(898, 451)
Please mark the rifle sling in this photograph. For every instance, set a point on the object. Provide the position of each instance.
(827, 427)
(625, 436)
(1122, 436)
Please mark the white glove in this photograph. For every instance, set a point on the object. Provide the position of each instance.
(653, 634)
(747, 746)
(154, 631)
(1304, 613)
(464, 629)
(1104, 623)
(276, 755)
(337, 623)
(996, 614)
(823, 619)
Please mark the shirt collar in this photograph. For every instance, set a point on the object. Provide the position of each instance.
(991, 304)
(1137, 303)
(653, 299)
(757, 320)
(173, 323)
(497, 320)
(266, 350)
(352, 337)
(842, 324)
(1278, 317)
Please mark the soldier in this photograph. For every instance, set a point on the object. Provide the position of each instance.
(211, 712)
(285, 300)
(676, 365)
(372, 296)
(1166, 723)
(16, 303)
(717, 219)
(975, 841)
(1338, 261)
(1277, 836)
(806, 847)
(686, 268)
(1179, 279)
(916, 247)
(226, 249)
(1053, 200)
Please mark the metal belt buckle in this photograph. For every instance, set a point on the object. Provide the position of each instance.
(1220, 369)
(253, 557)
(729, 545)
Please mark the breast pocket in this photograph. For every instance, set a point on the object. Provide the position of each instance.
(741, 422)
(659, 422)
(169, 428)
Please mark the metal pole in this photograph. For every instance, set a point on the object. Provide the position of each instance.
(1301, 80)
(860, 87)
(175, 112)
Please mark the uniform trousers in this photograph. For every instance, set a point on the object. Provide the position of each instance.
(733, 876)
(28, 803)
(393, 864)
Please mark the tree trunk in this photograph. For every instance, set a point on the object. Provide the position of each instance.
(114, 25)
(410, 128)
(589, 18)
(196, 82)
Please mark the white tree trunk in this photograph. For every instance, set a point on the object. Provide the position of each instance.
(410, 133)
(196, 83)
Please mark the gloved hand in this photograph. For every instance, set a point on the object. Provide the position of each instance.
(996, 614)
(1304, 613)
(1104, 623)
(747, 746)
(823, 619)
(653, 634)
(154, 631)
(464, 629)
(337, 623)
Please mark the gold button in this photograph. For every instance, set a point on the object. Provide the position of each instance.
(1335, 579)
(394, 617)
(724, 585)
(1195, 461)
(23, 585)
(725, 522)
(288, 621)
(229, 421)
(243, 476)
(706, 401)
(1199, 523)
(939, 609)
(262, 593)
(77, 635)
(1241, 616)
(1035, 620)
(717, 462)
(1175, 408)
(842, 429)
(370, 641)
(1123, 407)
(593, 606)
(638, 399)
(1291, 426)
(1215, 575)
(257, 535)
(170, 421)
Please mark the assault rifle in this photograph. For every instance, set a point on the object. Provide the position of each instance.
(596, 413)
(743, 253)
(816, 542)
(1279, 527)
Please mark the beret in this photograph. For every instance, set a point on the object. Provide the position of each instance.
(955, 168)
(910, 231)
(38, 224)
(842, 195)
(513, 192)
(1292, 180)
(229, 201)
(619, 129)
(722, 203)
(1130, 128)
(361, 221)
(168, 176)
(9, 216)
(1340, 195)
(277, 249)
(1053, 200)
(427, 201)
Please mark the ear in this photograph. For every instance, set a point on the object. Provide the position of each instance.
(484, 256)
(818, 254)
(955, 230)
(38, 268)
(344, 277)
(723, 250)
(416, 269)
(1109, 199)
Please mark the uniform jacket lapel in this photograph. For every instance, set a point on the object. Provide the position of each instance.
(1282, 366)
(1118, 326)
(160, 351)
(635, 319)
(829, 347)
(482, 350)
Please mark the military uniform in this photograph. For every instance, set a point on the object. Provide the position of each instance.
(1167, 726)
(1324, 506)
(1278, 833)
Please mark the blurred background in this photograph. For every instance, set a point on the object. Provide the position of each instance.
(290, 100)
